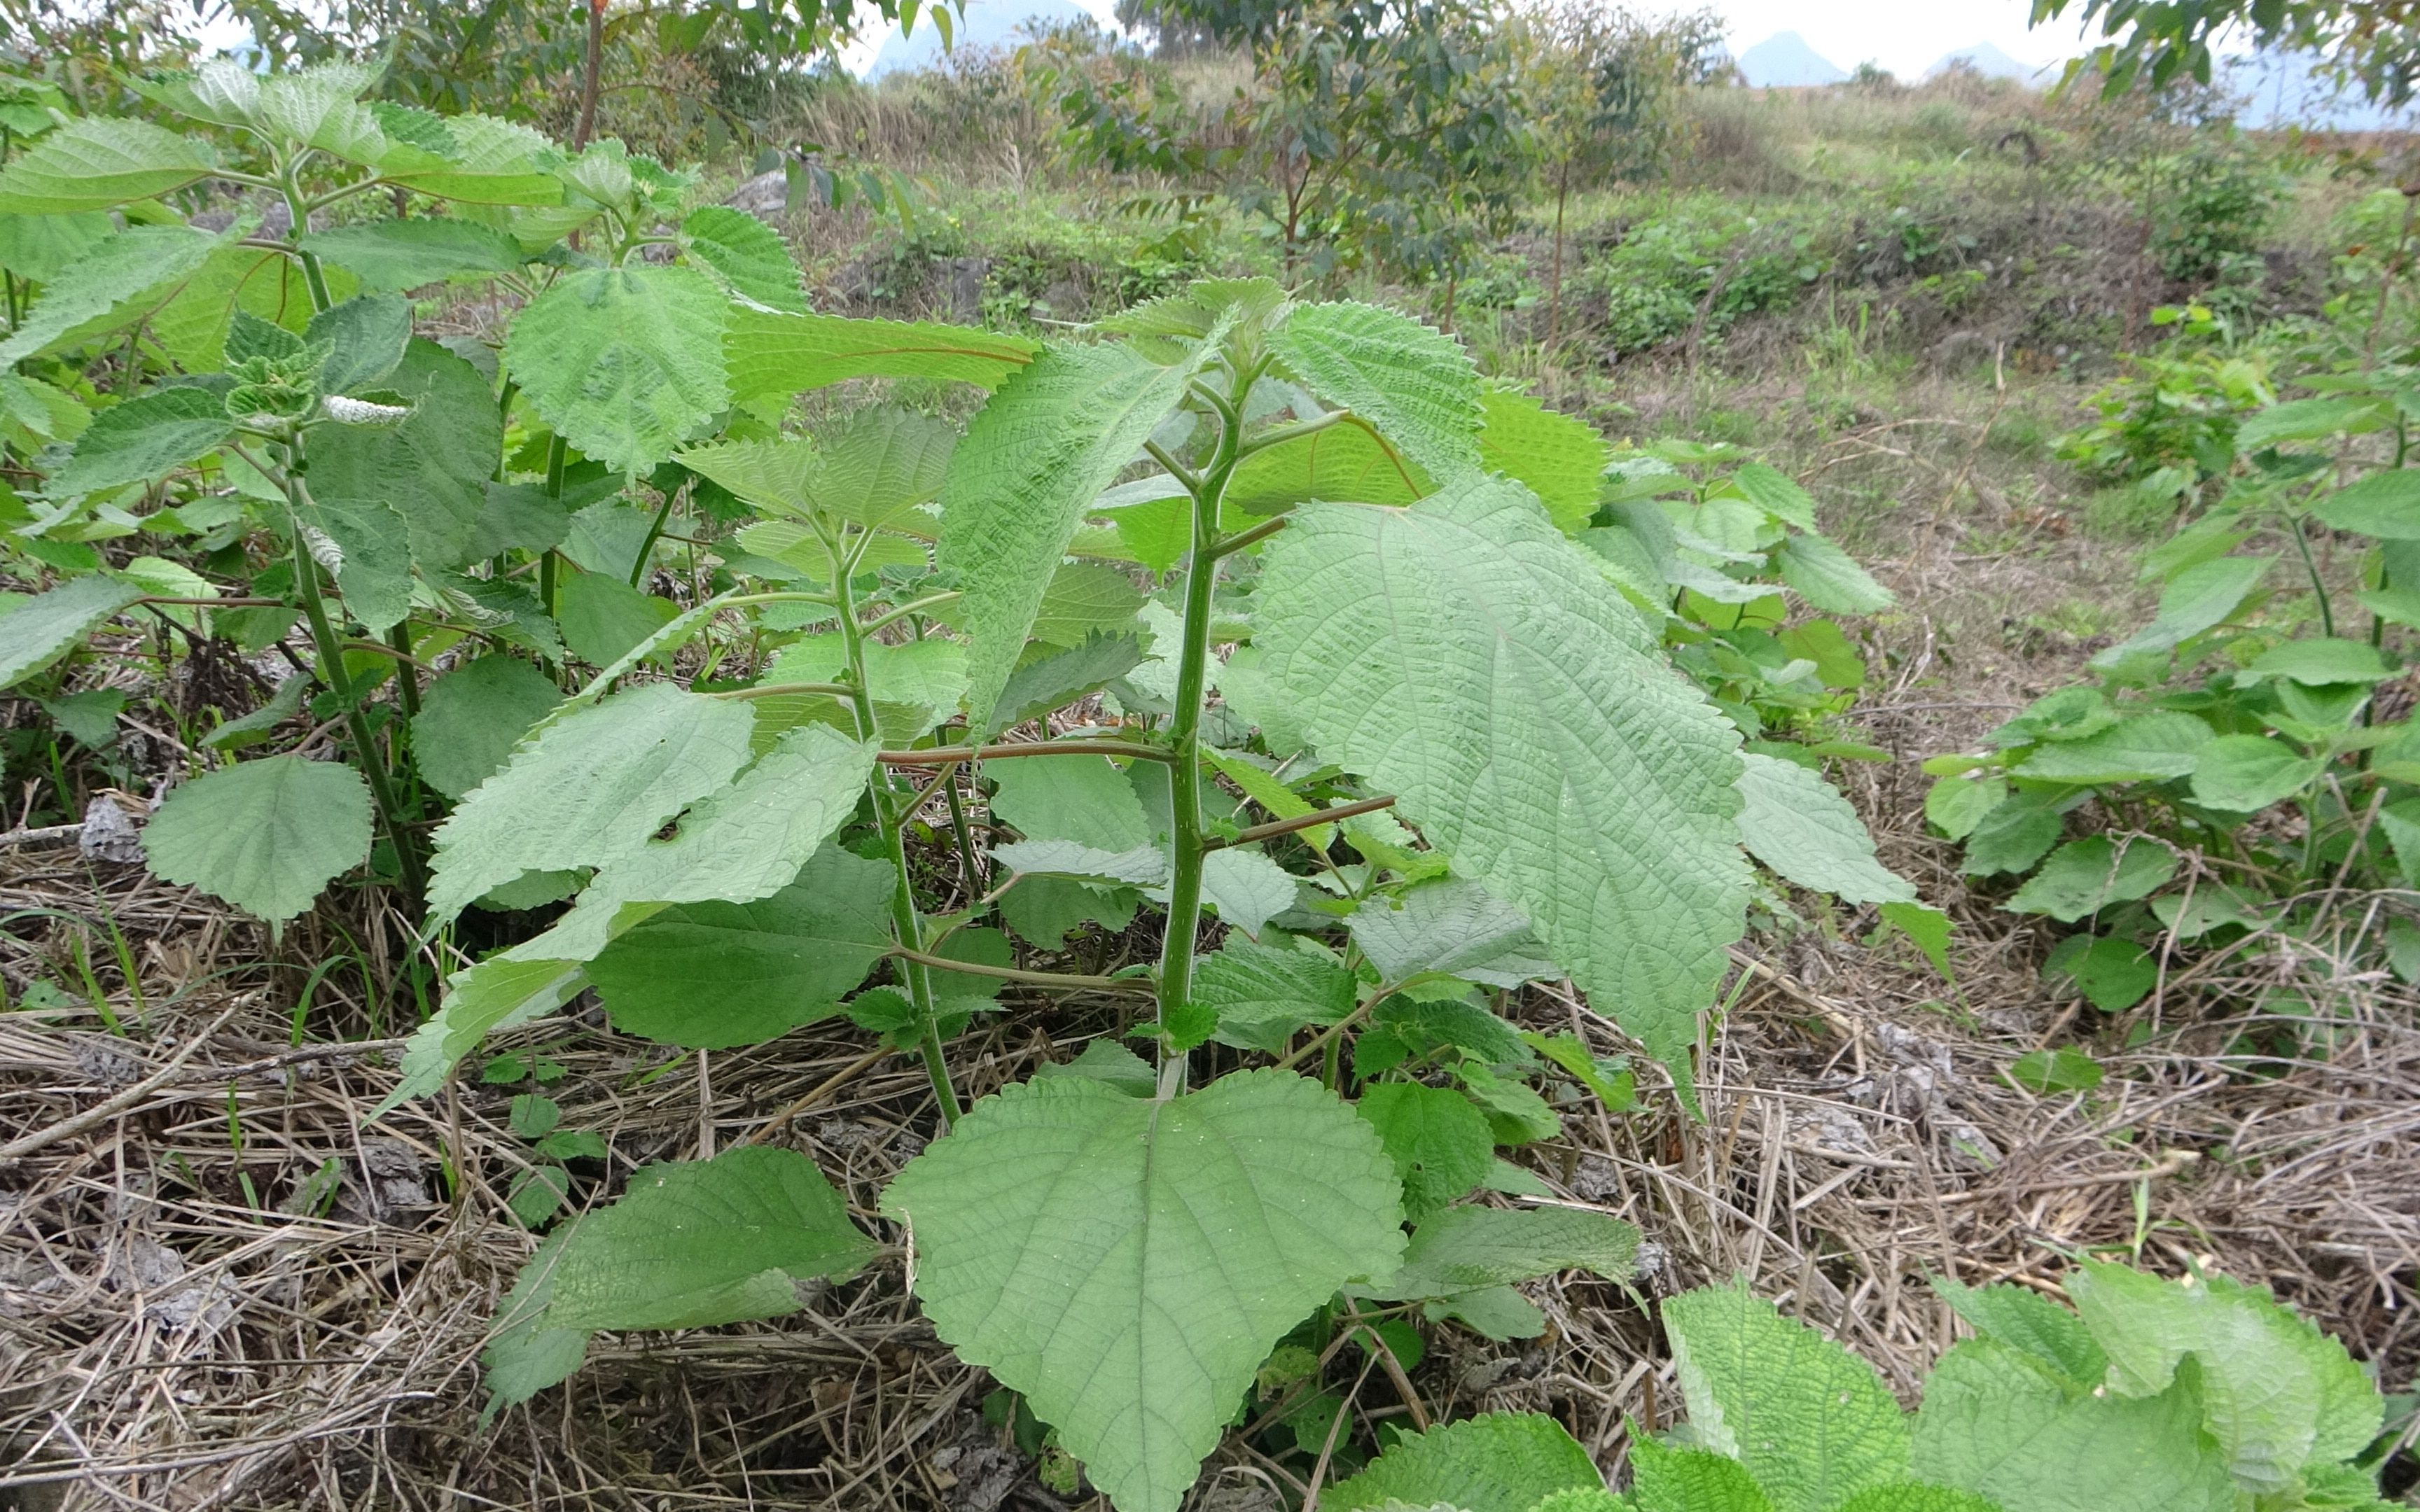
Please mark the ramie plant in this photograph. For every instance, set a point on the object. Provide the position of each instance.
(1444, 682)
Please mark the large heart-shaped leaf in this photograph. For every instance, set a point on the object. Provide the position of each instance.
(266, 835)
(1128, 1264)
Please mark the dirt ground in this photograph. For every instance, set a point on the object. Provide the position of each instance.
(173, 1336)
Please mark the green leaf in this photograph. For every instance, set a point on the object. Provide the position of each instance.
(432, 470)
(97, 162)
(2276, 1393)
(471, 718)
(1528, 729)
(120, 281)
(1452, 927)
(1911, 1496)
(2147, 748)
(1128, 1264)
(144, 438)
(367, 545)
(1085, 599)
(2012, 837)
(1828, 578)
(1032, 462)
(604, 618)
(2114, 974)
(2083, 876)
(523, 1356)
(2384, 504)
(1053, 677)
(748, 256)
(1264, 994)
(49, 626)
(266, 836)
(2248, 773)
(496, 994)
(736, 844)
(588, 790)
(1439, 1143)
(1245, 888)
(694, 1245)
(1073, 798)
(1957, 803)
(1461, 1249)
(1800, 825)
(1343, 461)
(389, 256)
(772, 353)
(39, 248)
(625, 364)
(2025, 1320)
(368, 334)
(2320, 662)
(710, 975)
(2199, 598)
(2053, 1072)
(487, 161)
(1415, 385)
(1559, 459)
(881, 466)
(1776, 493)
(1139, 866)
(1666, 1479)
(1497, 1462)
(1812, 1421)
(2309, 419)
(1994, 1424)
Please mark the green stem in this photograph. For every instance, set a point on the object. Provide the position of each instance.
(2302, 544)
(906, 922)
(655, 533)
(1185, 771)
(340, 681)
(314, 278)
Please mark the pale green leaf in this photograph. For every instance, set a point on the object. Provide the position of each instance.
(773, 353)
(2321, 661)
(1497, 1462)
(1128, 1264)
(882, 465)
(1085, 599)
(625, 362)
(736, 844)
(2199, 598)
(605, 619)
(1776, 493)
(2383, 504)
(2310, 420)
(1075, 797)
(1139, 866)
(266, 836)
(1669, 1479)
(367, 545)
(1464, 657)
(697, 1244)
(748, 256)
(1562, 459)
(368, 335)
(489, 161)
(2276, 1393)
(1799, 824)
(2248, 773)
(1414, 384)
(2083, 876)
(496, 994)
(523, 1355)
(1828, 578)
(1032, 462)
(2149, 748)
(471, 718)
(97, 162)
(120, 281)
(1451, 927)
(1955, 805)
(1344, 461)
(1053, 677)
(1463, 1249)
(1245, 888)
(2026, 1321)
(1912, 1496)
(1994, 1424)
(144, 438)
(1813, 1420)
(588, 790)
(39, 248)
(708, 975)
(395, 255)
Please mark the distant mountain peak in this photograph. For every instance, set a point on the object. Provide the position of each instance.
(1784, 60)
(1002, 24)
(1985, 59)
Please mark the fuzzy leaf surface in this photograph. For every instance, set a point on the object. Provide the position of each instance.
(97, 162)
(696, 1243)
(588, 791)
(1462, 654)
(49, 626)
(1813, 1420)
(121, 280)
(749, 256)
(1799, 824)
(1032, 461)
(773, 352)
(1439, 1142)
(432, 470)
(1411, 382)
(471, 718)
(1498, 1462)
(389, 256)
(625, 362)
(265, 835)
(144, 438)
(1561, 459)
(1128, 1264)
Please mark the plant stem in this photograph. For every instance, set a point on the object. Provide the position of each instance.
(1185, 772)
(314, 278)
(952, 755)
(340, 681)
(906, 924)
